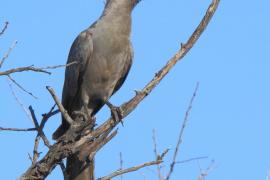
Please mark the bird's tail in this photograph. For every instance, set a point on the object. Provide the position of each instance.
(79, 170)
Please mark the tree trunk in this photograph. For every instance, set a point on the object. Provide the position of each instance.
(80, 170)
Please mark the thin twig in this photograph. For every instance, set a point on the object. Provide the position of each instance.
(121, 165)
(19, 101)
(4, 28)
(191, 159)
(205, 173)
(35, 150)
(8, 52)
(40, 134)
(132, 169)
(179, 141)
(22, 69)
(60, 106)
(31, 159)
(60, 66)
(46, 116)
(39, 128)
(40, 131)
(135, 168)
(160, 177)
(34, 69)
(18, 129)
(20, 87)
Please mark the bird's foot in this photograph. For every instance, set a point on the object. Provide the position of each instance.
(116, 113)
(80, 116)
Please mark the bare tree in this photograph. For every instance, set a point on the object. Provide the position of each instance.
(79, 139)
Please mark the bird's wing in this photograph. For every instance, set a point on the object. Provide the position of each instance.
(126, 68)
(80, 51)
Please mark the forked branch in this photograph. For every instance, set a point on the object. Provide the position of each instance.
(135, 168)
(34, 69)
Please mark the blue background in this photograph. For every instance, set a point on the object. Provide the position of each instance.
(229, 121)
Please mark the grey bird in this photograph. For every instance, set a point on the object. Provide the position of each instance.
(104, 55)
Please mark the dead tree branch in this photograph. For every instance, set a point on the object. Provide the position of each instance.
(124, 171)
(19, 101)
(40, 131)
(205, 173)
(191, 159)
(34, 69)
(179, 141)
(22, 69)
(160, 177)
(20, 87)
(135, 168)
(7, 53)
(30, 68)
(60, 106)
(80, 136)
(4, 28)
(17, 129)
(121, 165)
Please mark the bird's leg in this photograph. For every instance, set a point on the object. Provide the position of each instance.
(90, 119)
(84, 118)
(80, 116)
(116, 112)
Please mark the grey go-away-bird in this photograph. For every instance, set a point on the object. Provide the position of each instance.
(104, 56)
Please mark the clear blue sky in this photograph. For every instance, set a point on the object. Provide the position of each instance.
(230, 119)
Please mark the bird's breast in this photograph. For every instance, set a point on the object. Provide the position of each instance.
(104, 70)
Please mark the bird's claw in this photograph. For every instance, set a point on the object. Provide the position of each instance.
(80, 116)
(116, 113)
